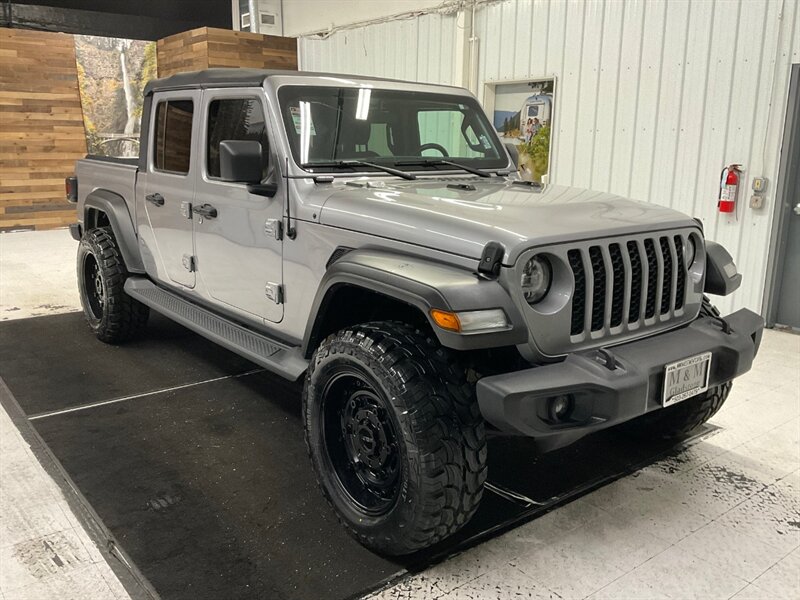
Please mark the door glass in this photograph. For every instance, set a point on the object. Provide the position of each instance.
(173, 139)
(235, 119)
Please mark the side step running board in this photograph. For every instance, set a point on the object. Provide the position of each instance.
(277, 357)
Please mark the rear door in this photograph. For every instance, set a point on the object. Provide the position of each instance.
(240, 250)
(169, 185)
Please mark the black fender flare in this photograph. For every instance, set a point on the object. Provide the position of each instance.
(425, 285)
(722, 277)
(116, 209)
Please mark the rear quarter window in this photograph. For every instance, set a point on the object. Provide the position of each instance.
(173, 136)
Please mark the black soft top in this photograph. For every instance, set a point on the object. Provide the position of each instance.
(234, 77)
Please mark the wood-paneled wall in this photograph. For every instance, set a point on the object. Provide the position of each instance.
(41, 128)
(208, 47)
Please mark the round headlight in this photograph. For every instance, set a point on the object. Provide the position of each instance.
(691, 251)
(536, 279)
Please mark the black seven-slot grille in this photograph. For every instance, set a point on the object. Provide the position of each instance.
(621, 284)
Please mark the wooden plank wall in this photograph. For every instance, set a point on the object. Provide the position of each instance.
(41, 128)
(209, 47)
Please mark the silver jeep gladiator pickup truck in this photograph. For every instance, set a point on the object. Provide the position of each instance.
(373, 237)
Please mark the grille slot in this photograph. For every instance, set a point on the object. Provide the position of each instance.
(618, 294)
(680, 288)
(666, 284)
(635, 308)
(599, 288)
(627, 284)
(578, 308)
(652, 278)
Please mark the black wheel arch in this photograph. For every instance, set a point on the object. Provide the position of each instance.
(104, 208)
(403, 287)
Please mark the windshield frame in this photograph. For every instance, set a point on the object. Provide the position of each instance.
(500, 165)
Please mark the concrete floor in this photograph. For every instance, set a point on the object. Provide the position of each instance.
(720, 520)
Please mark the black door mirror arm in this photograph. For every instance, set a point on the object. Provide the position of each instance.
(268, 189)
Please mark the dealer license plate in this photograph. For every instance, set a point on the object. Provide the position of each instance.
(686, 378)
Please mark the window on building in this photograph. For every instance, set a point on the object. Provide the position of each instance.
(235, 119)
(173, 139)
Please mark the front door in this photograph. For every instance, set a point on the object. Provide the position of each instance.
(169, 184)
(239, 250)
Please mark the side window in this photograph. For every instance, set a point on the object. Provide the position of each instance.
(235, 119)
(173, 136)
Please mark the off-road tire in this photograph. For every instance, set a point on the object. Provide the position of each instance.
(117, 317)
(683, 418)
(441, 434)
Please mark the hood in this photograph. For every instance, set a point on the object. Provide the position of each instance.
(461, 216)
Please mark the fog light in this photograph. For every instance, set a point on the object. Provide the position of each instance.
(560, 408)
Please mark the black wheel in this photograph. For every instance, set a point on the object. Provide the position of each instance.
(112, 315)
(395, 436)
(683, 418)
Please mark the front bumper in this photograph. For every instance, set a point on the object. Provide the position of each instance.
(617, 384)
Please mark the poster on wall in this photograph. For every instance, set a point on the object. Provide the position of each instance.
(112, 73)
(523, 114)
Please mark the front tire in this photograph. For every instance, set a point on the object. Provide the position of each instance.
(685, 417)
(681, 419)
(112, 315)
(395, 436)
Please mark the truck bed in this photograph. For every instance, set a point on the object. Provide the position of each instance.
(119, 160)
(116, 175)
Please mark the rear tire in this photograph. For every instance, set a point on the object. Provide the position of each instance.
(112, 315)
(683, 418)
(395, 436)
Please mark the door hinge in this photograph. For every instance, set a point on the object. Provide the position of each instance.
(189, 262)
(186, 209)
(274, 228)
(274, 292)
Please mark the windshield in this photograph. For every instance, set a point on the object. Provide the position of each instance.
(328, 125)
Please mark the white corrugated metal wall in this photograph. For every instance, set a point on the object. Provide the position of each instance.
(418, 49)
(653, 97)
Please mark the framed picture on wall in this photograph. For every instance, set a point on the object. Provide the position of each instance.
(522, 112)
(112, 73)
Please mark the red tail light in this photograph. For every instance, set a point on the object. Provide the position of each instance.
(71, 184)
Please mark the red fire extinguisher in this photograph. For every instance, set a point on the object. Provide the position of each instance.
(728, 188)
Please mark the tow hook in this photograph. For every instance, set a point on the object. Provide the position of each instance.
(726, 327)
(606, 358)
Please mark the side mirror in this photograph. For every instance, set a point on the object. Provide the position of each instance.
(240, 161)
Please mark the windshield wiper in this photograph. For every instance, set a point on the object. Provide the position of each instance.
(346, 164)
(432, 162)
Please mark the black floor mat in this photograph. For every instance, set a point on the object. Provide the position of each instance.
(51, 363)
(208, 488)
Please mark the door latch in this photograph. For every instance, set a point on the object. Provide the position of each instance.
(274, 292)
(189, 263)
(186, 209)
(156, 199)
(274, 228)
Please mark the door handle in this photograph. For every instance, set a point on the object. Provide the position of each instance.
(156, 199)
(205, 210)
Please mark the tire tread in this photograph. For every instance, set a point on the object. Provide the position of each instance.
(125, 317)
(447, 435)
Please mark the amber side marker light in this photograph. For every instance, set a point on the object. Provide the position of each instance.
(470, 321)
(446, 320)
